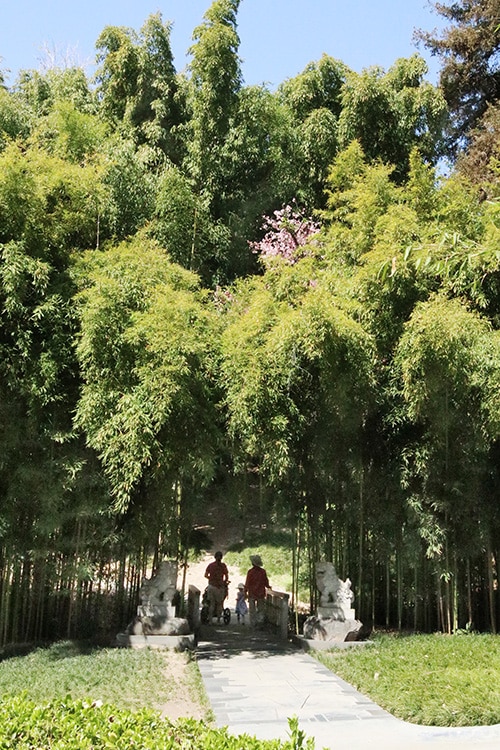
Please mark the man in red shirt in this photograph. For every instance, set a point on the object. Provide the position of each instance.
(255, 588)
(218, 579)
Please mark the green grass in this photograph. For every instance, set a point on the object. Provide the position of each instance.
(275, 549)
(127, 678)
(433, 680)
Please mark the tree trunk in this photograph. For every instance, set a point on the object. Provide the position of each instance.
(16, 602)
(5, 604)
(72, 578)
(400, 589)
(415, 600)
(372, 619)
(41, 573)
(440, 603)
(455, 593)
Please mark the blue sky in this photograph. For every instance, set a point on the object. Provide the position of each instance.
(278, 37)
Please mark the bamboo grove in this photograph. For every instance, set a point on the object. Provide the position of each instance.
(289, 299)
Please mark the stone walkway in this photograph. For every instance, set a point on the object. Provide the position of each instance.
(255, 684)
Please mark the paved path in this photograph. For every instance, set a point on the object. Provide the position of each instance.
(254, 684)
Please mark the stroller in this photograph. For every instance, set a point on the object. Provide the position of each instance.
(205, 608)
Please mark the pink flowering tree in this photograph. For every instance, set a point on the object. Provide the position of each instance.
(287, 231)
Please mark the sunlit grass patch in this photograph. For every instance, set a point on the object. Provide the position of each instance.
(127, 678)
(427, 679)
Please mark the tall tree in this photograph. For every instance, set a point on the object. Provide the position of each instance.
(71, 134)
(315, 100)
(40, 91)
(146, 357)
(138, 86)
(358, 194)
(15, 117)
(479, 162)
(391, 112)
(469, 51)
(298, 371)
(214, 88)
(130, 190)
(319, 86)
(183, 225)
(448, 358)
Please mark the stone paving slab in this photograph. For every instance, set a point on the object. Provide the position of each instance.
(255, 684)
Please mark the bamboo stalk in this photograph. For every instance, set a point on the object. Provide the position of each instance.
(360, 543)
(469, 594)
(491, 590)
(6, 591)
(387, 591)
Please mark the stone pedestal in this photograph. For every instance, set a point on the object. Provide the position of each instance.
(336, 612)
(163, 610)
(156, 624)
(335, 620)
(329, 629)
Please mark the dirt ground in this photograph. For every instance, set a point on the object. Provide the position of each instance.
(187, 702)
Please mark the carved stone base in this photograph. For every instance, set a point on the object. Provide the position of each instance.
(331, 629)
(158, 625)
(336, 612)
(156, 610)
(170, 642)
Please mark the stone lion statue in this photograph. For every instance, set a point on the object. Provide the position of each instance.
(327, 582)
(161, 587)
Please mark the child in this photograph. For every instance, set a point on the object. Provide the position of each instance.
(241, 606)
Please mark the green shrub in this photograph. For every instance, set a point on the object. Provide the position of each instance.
(85, 725)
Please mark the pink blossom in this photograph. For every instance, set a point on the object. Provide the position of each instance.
(286, 232)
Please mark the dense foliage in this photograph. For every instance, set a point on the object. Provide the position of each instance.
(211, 290)
(87, 724)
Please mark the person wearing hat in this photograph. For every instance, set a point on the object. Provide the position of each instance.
(255, 588)
(218, 580)
(241, 608)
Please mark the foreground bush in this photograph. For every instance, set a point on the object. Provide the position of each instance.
(81, 725)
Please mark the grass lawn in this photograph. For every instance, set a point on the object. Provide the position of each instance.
(127, 678)
(275, 549)
(427, 679)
